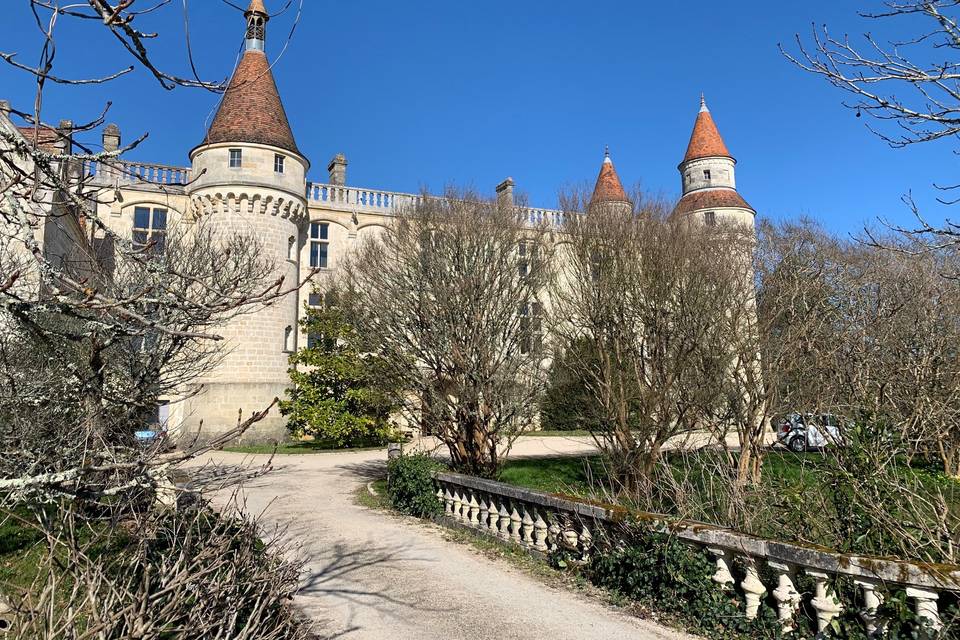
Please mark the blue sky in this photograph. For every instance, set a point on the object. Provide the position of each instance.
(433, 92)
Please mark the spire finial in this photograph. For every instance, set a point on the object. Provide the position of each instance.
(703, 102)
(606, 152)
(257, 18)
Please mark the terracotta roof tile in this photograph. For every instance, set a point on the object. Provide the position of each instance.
(251, 109)
(47, 138)
(608, 187)
(711, 199)
(705, 141)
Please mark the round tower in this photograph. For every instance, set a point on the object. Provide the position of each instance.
(608, 193)
(708, 175)
(250, 179)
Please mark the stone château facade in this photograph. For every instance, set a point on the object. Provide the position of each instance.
(248, 174)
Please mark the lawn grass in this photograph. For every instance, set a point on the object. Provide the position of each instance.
(21, 549)
(565, 475)
(794, 502)
(300, 447)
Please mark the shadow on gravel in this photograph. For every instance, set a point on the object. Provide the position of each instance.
(361, 578)
(216, 476)
(366, 471)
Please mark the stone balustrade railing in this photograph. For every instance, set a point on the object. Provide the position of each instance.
(128, 173)
(388, 202)
(543, 523)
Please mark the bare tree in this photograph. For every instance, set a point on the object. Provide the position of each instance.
(450, 296)
(652, 301)
(95, 327)
(866, 333)
(914, 101)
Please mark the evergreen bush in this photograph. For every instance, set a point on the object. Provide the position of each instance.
(410, 488)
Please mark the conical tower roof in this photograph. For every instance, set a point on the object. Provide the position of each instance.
(608, 187)
(251, 110)
(705, 141)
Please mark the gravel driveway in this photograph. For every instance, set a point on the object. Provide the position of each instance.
(374, 575)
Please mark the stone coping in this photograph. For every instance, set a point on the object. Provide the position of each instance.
(864, 568)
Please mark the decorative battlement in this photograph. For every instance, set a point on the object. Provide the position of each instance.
(361, 200)
(137, 174)
(244, 203)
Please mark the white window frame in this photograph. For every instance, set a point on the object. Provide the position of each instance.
(154, 230)
(319, 242)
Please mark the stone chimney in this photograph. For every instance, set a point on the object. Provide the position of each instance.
(65, 141)
(505, 192)
(338, 169)
(111, 137)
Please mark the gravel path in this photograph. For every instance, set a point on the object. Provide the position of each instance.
(377, 576)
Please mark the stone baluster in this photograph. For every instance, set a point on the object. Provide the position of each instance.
(504, 521)
(484, 512)
(540, 534)
(586, 543)
(824, 601)
(753, 589)
(494, 517)
(554, 534)
(526, 526)
(440, 494)
(786, 595)
(925, 604)
(474, 509)
(570, 539)
(871, 602)
(457, 504)
(722, 575)
(447, 502)
(515, 523)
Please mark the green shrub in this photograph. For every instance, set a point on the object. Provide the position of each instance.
(339, 395)
(676, 579)
(411, 489)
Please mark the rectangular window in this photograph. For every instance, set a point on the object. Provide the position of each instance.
(149, 225)
(706, 174)
(278, 163)
(710, 218)
(528, 252)
(236, 158)
(319, 236)
(531, 328)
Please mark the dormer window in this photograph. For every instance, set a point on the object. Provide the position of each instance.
(236, 158)
(278, 163)
(706, 174)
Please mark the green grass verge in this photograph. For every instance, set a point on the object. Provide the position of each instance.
(377, 500)
(293, 448)
(558, 434)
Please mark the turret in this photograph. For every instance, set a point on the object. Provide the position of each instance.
(250, 180)
(708, 177)
(608, 193)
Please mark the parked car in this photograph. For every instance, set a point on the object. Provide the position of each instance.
(805, 431)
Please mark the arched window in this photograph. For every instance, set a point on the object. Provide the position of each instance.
(292, 248)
